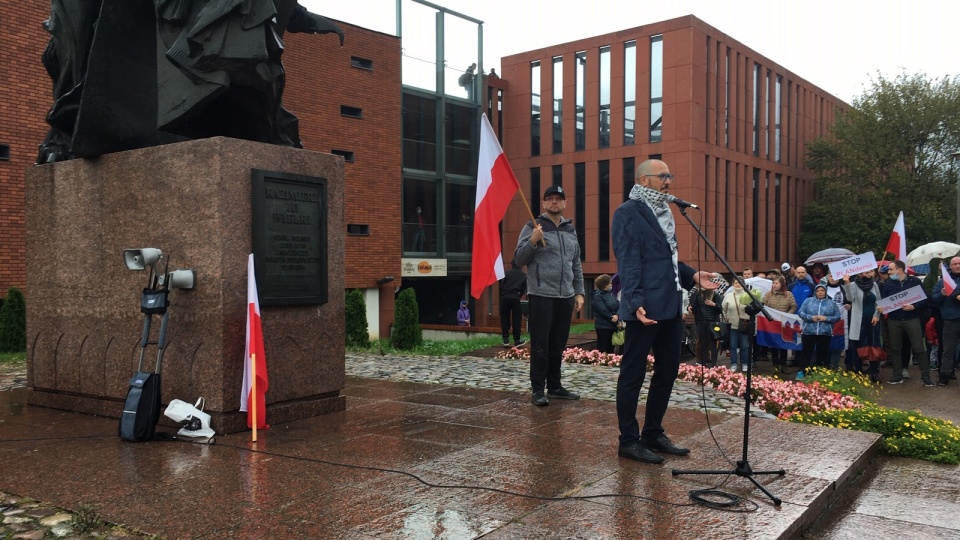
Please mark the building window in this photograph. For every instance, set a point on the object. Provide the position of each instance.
(777, 218)
(358, 229)
(535, 108)
(776, 137)
(628, 177)
(535, 190)
(629, 91)
(459, 127)
(557, 175)
(580, 207)
(756, 214)
(605, 97)
(656, 88)
(558, 105)
(459, 217)
(766, 117)
(351, 112)
(756, 109)
(347, 155)
(603, 210)
(726, 101)
(420, 210)
(419, 132)
(361, 63)
(580, 136)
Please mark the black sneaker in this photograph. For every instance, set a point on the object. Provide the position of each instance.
(506, 343)
(637, 452)
(539, 399)
(942, 381)
(898, 380)
(562, 393)
(927, 381)
(520, 343)
(665, 445)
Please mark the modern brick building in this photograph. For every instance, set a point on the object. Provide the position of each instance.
(731, 124)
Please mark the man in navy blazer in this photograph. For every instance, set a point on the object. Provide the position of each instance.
(645, 244)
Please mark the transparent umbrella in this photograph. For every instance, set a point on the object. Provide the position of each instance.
(830, 255)
(924, 253)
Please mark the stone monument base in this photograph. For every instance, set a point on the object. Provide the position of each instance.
(193, 200)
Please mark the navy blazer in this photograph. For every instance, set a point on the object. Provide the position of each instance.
(645, 265)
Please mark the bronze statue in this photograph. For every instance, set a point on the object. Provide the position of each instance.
(218, 72)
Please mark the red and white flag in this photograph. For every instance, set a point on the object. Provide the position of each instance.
(897, 245)
(949, 284)
(496, 186)
(254, 346)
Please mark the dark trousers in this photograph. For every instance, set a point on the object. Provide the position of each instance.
(510, 313)
(604, 340)
(951, 335)
(910, 329)
(709, 346)
(549, 325)
(813, 343)
(663, 339)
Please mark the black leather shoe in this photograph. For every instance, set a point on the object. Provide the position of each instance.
(562, 393)
(539, 399)
(663, 444)
(637, 452)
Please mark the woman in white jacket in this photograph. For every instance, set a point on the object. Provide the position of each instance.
(736, 315)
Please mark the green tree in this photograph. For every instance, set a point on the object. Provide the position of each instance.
(357, 333)
(890, 151)
(13, 322)
(406, 322)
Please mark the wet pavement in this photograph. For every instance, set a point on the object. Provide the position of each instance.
(451, 448)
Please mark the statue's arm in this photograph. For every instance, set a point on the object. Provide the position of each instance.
(311, 23)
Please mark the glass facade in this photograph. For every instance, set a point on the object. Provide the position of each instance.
(580, 83)
(458, 224)
(656, 88)
(629, 92)
(419, 132)
(460, 123)
(605, 97)
(629, 165)
(776, 113)
(557, 104)
(420, 210)
(535, 191)
(756, 109)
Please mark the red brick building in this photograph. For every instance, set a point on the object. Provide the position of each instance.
(731, 124)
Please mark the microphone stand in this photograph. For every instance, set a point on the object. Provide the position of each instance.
(743, 466)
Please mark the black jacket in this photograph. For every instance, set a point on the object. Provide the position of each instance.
(514, 284)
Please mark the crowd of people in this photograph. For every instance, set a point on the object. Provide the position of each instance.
(916, 333)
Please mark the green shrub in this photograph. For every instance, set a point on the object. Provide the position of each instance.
(13, 322)
(406, 322)
(357, 332)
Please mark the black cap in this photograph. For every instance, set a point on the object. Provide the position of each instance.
(555, 190)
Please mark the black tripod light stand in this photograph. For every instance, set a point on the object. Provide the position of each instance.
(743, 466)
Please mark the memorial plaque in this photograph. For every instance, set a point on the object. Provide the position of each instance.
(290, 238)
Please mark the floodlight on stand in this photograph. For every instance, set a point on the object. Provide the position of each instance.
(140, 259)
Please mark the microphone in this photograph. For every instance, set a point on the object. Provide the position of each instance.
(680, 202)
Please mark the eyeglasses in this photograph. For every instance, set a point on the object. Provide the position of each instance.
(664, 176)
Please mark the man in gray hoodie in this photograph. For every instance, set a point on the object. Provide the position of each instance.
(548, 247)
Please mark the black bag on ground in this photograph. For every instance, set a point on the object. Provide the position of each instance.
(141, 410)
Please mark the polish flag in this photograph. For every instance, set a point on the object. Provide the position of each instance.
(496, 186)
(949, 284)
(897, 245)
(254, 346)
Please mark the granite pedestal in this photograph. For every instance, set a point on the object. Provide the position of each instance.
(193, 201)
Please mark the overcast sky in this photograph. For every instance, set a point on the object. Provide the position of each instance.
(837, 45)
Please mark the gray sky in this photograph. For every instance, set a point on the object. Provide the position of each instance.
(837, 45)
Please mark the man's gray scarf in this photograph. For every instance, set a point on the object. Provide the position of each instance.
(658, 203)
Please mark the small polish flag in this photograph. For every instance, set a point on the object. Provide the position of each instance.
(248, 401)
(897, 245)
(949, 284)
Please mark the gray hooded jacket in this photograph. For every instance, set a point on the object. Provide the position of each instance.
(553, 271)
